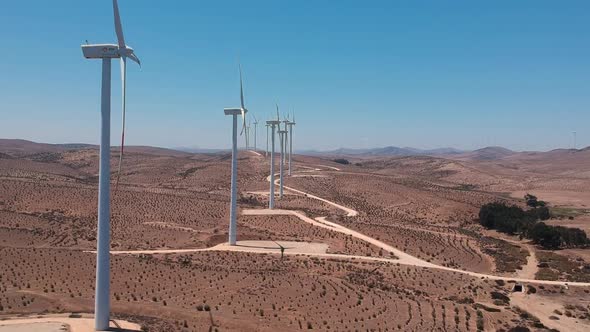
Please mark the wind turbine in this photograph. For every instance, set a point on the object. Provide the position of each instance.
(106, 52)
(273, 124)
(283, 137)
(267, 126)
(234, 160)
(255, 129)
(285, 122)
(575, 138)
(291, 124)
(247, 136)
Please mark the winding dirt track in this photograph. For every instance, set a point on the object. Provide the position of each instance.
(47, 323)
(401, 257)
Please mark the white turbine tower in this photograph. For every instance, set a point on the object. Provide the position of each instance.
(248, 136)
(106, 52)
(267, 127)
(282, 136)
(575, 139)
(290, 124)
(286, 140)
(255, 129)
(234, 112)
(273, 124)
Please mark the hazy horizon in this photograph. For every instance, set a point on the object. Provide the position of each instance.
(262, 147)
(425, 75)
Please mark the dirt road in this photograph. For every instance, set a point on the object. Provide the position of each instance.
(51, 323)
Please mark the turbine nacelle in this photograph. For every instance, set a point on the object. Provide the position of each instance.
(235, 111)
(101, 51)
(112, 51)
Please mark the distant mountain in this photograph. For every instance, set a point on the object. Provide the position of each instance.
(488, 153)
(154, 150)
(19, 147)
(76, 146)
(386, 151)
(197, 149)
(16, 148)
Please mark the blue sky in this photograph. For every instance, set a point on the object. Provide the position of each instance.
(425, 74)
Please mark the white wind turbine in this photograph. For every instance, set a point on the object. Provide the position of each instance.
(273, 124)
(286, 140)
(267, 127)
(106, 52)
(234, 161)
(283, 137)
(255, 129)
(290, 124)
(247, 136)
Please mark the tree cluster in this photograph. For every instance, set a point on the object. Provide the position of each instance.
(533, 202)
(514, 220)
(342, 161)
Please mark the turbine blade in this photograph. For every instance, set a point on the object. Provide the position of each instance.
(134, 58)
(123, 99)
(243, 108)
(118, 27)
(241, 88)
(244, 121)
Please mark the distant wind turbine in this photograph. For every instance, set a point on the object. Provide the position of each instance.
(575, 139)
(234, 112)
(247, 136)
(291, 124)
(255, 129)
(106, 52)
(285, 140)
(283, 137)
(273, 124)
(267, 127)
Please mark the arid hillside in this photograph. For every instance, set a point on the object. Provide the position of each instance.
(394, 243)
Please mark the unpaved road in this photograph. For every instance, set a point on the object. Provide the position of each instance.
(349, 212)
(49, 323)
(530, 269)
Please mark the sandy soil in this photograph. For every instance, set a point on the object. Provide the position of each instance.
(543, 308)
(576, 199)
(54, 323)
(35, 327)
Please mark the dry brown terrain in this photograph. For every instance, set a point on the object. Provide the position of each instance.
(423, 206)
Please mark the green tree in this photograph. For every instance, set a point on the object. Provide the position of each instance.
(545, 236)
